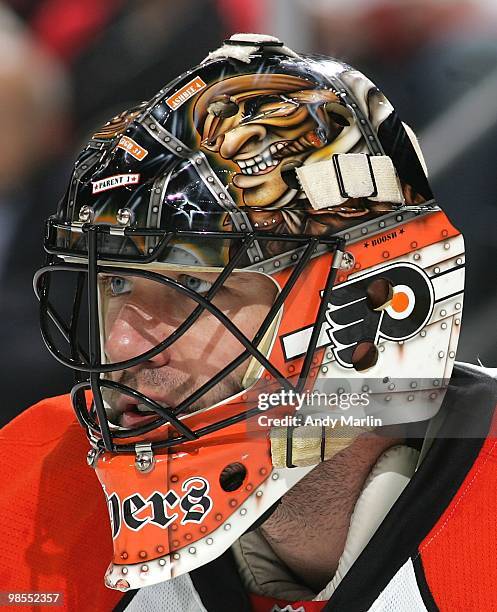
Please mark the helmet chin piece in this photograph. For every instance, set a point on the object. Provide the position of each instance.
(183, 513)
(259, 175)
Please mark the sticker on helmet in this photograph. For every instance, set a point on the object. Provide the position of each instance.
(132, 147)
(111, 182)
(185, 93)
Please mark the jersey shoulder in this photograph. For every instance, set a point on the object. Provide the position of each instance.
(56, 533)
(458, 554)
(45, 421)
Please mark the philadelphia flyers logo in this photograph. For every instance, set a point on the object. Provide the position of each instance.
(351, 318)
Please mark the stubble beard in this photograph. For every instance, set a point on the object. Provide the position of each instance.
(179, 386)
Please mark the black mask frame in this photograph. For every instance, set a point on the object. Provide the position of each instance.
(93, 418)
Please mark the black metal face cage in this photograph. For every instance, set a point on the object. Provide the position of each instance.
(93, 418)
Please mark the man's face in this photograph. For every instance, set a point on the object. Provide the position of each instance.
(139, 314)
(265, 134)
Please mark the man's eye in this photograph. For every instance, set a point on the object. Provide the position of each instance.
(119, 285)
(195, 284)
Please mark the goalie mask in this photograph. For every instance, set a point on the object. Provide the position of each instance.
(261, 230)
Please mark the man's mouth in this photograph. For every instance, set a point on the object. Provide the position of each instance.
(136, 416)
(131, 415)
(264, 162)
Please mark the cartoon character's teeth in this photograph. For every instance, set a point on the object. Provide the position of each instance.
(269, 158)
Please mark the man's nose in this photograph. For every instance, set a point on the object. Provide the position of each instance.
(131, 335)
(236, 140)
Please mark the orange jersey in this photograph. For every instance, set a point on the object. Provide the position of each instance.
(56, 534)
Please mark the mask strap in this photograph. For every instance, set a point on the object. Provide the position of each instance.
(331, 183)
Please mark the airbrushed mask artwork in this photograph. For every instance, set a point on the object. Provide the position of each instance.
(269, 215)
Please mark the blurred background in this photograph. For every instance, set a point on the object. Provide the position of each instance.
(67, 66)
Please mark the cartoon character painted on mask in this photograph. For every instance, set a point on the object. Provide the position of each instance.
(270, 124)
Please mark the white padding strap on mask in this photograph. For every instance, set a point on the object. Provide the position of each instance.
(249, 44)
(333, 181)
